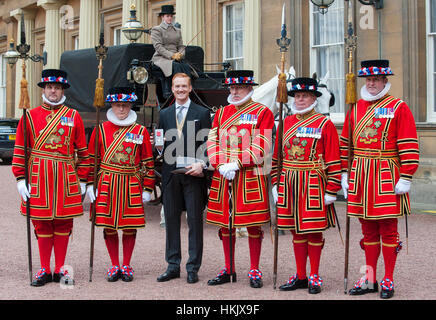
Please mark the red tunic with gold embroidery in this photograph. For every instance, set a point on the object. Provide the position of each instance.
(126, 168)
(242, 134)
(311, 168)
(58, 161)
(385, 148)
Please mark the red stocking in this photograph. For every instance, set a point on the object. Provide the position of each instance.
(112, 244)
(129, 238)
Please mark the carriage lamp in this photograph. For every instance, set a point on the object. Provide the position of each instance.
(11, 55)
(378, 4)
(323, 5)
(22, 51)
(133, 29)
(140, 75)
(137, 72)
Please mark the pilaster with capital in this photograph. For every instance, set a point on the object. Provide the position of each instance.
(89, 24)
(252, 37)
(54, 34)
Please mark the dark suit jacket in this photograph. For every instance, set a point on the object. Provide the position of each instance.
(191, 144)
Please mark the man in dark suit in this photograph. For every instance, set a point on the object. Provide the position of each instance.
(186, 126)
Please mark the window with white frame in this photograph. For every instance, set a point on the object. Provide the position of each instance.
(327, 52)
(3, 66)
(117, 36)
(233, 34)
(76, 42)
(431, 60)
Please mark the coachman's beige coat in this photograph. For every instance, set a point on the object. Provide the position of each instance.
(166, 40)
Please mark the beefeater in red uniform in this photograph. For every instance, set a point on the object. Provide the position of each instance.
(385, 155)
(239, 140)
(125, 178)
(309, 181)
(55, 135)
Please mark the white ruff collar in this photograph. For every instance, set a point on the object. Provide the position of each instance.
(369, 97)
(240, 102)
(309, 108)
(54, 104)
(131, 118)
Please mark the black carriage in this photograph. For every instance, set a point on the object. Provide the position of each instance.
(130, 65)
(126, 63)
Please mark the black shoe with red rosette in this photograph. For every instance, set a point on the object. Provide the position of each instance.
(387, 289)
(255, 277)
(363, 286)
(41, 278)
(126, 273)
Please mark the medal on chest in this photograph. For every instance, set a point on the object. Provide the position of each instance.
(135, 138)
(247, 118)
(384, 113)
(307, 132)
(67, 121)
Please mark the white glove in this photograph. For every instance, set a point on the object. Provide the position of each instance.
(228, 170)
(344, 184)
(146, 196)
(275, 194)
(90, 193)
(23, 190)
(328, 199)
(402, 186)
(82, 188)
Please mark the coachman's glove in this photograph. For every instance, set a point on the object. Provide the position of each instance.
(402, 186)
(177, 56)
(23, 190)
(344, 184)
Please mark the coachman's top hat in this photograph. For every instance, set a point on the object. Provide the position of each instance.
(54, 76)
(167, 9)
(304, 85)
(375, 68)
(239, 77)
(121, 94)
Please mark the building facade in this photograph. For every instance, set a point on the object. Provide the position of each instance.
(244, 33)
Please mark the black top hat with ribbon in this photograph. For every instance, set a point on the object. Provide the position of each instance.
(239, 77)
(121, 94)
(375, 68)
(54, 76)
(304, 85)
(166, 9)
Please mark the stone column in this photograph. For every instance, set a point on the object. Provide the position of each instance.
(89, 24)
(54, 35)
(252, 37)
(29, 25)
(190, 14)
(141, 15)
(11, 29)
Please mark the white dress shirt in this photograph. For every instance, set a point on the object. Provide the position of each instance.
(185, 109)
